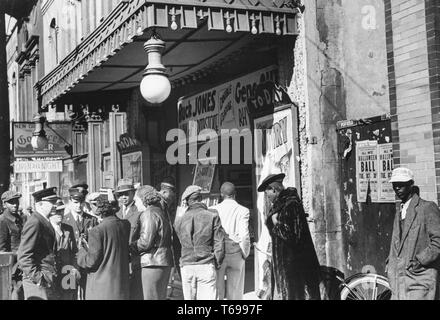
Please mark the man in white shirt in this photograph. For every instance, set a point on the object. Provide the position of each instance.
(235, 221)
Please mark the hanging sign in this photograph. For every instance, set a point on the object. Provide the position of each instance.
(127, 144)
(23, 131)
(38, 166)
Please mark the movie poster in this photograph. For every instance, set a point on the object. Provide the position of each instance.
(275, 152)
(203, 176)
(132, 166)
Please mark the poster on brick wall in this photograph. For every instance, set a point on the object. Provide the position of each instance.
(367, 173)
(386, 192)
(374, 166)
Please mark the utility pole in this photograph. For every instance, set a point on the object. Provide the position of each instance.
(4, 107)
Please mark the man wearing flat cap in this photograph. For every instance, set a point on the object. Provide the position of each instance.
(203, 247)
(414, 258)
(11, 222)
(36, 253)
(125, 192)
(11, 226)
(81, 222)
(296, 270)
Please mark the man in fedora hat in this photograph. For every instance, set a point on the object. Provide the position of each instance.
(413, 261)
(81, 222)
(105, 256)
(11, 226)
(36, 253)
(296, 274)
(125, 192)
(203, 247)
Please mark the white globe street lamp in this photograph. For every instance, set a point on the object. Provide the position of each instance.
(155, 86)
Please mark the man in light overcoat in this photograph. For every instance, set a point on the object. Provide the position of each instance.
(415, 243)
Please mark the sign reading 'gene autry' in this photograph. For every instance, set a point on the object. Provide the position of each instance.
(228, 105)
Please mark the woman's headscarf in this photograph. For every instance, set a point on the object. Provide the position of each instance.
(149, 195)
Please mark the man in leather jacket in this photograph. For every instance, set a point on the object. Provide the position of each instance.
(203, 247)
(154, 244)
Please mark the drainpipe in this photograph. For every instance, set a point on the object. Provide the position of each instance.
(4, 108)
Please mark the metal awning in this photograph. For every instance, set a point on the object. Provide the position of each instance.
(99, 55)
(17, 8)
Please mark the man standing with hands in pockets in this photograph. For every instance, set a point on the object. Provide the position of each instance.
(235, 221)
(415, 243)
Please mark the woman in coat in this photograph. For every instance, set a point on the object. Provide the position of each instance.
(105, 256)
(154, 244)
(296, 270)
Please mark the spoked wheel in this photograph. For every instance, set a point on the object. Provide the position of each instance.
(367, 287)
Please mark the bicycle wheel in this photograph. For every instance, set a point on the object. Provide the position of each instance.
(367, 287)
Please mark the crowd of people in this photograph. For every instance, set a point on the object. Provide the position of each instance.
(128, 242)
(123, 243)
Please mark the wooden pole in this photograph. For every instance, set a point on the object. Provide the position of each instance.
(4, 108)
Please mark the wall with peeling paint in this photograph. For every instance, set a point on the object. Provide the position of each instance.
(340, 73)
(365, 58)
(366, 227)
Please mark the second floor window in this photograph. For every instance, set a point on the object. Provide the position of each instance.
(53, 39)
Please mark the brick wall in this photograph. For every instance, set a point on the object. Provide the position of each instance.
(432, 12)
(410, 76)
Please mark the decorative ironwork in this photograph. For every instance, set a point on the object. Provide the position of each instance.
(129, 19)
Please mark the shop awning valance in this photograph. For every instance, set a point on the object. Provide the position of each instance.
(130, 18)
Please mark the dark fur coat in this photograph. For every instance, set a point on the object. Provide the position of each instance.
(296, 274)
